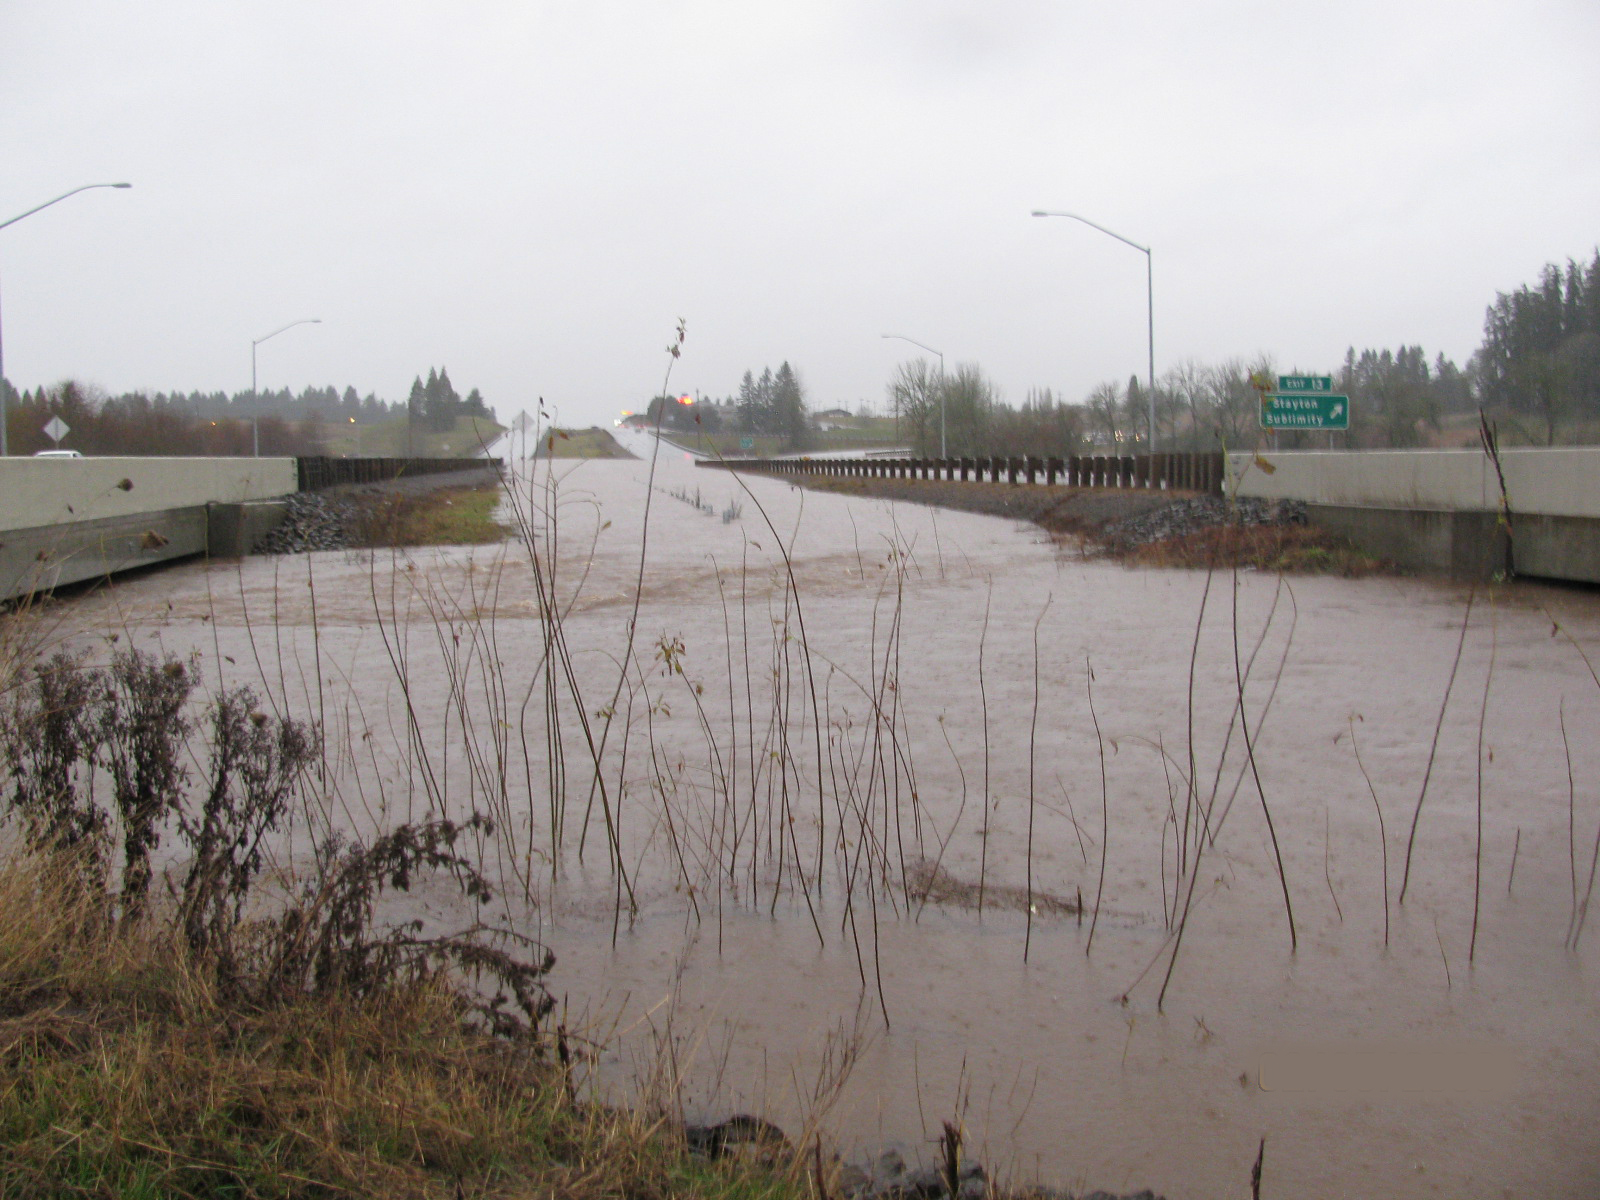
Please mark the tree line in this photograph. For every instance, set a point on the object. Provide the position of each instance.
(437, 403)
(1541, 349)
(137, 426)
(770, 404)
(219, 423)
(1537, 371)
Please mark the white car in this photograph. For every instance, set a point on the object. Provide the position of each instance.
(57, 454)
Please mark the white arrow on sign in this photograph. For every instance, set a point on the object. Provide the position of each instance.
(57, 429)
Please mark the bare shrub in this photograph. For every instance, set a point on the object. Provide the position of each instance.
(143, 732)
(255, 766)
(51, 735)
(330, 941)
(68, 726)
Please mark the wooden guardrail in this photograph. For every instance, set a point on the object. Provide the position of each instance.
(1203, 472)
(318, 472)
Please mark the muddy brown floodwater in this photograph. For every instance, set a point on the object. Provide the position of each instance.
(843, 720)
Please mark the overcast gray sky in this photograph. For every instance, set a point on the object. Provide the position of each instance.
(532, 193)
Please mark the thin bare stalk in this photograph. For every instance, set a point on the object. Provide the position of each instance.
(1448, 984)
(1383, 836)
(1583, 908)
(1033, 729)
(1327, 874)
(1477, 850)
(1105, 806)
(1433, 747)
(1572, 823)
(1255, 772)
(983, 704)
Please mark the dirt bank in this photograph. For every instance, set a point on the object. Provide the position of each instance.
(1073, 510)
(1151, 528)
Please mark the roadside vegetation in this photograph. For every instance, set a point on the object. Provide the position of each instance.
(433, 422)
(181, 1016)
(593, 442)
(1285, 549)
(443, 517)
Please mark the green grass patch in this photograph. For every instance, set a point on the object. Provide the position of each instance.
(445, 517)
(593, 442)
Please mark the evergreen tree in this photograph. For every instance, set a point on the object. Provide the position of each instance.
(1541, 348)
(748, 404)
(788, 408)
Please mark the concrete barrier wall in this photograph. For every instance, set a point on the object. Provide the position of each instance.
(1557, 482)
(1437, 509)
(37, 492)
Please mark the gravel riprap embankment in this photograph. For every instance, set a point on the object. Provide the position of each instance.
(315, 522)
(333, 519)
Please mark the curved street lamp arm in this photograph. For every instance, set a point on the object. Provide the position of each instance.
(86, 187)
(1150, 303)
(903, 338)
(290, 325)
(1095, 225)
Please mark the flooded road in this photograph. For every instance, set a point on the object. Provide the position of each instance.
(826, 729)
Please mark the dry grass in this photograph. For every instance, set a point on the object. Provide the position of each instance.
(1291, 549)
(929, 882)
(124, 1072)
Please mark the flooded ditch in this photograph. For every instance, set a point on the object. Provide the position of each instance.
(844, 722)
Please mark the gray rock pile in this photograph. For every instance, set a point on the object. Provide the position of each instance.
(1184, 517)
(888, 1178)
(315, 522)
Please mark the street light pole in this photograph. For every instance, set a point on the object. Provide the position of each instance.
(1150, 304)
(902, 337)
(255, 405)
(4, 448)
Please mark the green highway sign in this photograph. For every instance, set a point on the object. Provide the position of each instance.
(1304, 410)
(1321, 384)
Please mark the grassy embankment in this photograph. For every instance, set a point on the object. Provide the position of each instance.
(1286, 549)
(449, 516)
(593, 442)
(130, 1066)
(213, 1028)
